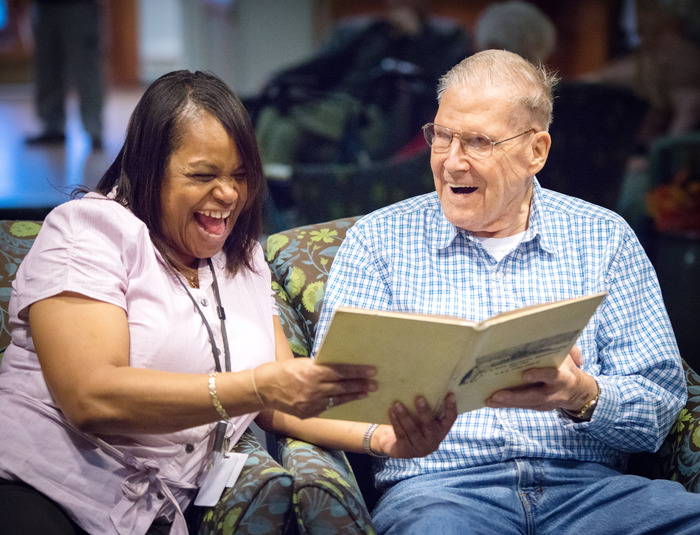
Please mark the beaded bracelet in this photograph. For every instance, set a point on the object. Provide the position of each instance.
(215, 398)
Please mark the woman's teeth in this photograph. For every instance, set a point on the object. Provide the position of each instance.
(216, 215)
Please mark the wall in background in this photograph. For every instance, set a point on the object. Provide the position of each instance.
(242, 41)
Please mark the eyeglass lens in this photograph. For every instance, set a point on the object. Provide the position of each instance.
(473, 143)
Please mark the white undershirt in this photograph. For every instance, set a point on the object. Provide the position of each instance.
(500, 247)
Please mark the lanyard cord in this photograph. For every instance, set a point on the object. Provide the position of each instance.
(222, 318)
(220, 442)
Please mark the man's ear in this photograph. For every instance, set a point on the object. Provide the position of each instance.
(541, 143)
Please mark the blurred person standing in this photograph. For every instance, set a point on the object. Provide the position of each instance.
(68, 53)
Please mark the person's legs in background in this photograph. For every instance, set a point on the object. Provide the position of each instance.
(85, 63)
(49, 73)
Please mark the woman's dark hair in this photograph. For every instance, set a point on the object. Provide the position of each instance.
(155, 131)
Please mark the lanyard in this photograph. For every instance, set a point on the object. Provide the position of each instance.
(222, 318)
(220, 442)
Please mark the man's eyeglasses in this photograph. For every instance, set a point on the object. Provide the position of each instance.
(474, 144)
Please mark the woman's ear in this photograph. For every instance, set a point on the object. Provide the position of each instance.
(541, 144)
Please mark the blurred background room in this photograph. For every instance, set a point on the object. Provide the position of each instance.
(338, 90)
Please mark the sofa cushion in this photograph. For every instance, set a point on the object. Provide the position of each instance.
(16, 238)
(300, 260)
(326, 496)
(261, 500)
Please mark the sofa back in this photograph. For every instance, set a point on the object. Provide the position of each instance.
(300, 260)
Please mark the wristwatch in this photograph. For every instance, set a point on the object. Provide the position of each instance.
(586, 413)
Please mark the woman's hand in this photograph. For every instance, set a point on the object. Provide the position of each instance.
(414, 434)
(300, 387)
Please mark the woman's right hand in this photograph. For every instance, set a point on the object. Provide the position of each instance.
(300, 387)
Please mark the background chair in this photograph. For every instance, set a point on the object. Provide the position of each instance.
(594, 133)
(674, 240)
(323, 192)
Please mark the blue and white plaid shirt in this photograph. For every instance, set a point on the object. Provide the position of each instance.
(408, 257)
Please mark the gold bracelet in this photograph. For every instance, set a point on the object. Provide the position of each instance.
(255, 388)
(366, 442)
(215, 398)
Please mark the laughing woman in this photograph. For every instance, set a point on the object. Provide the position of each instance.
(144, 328)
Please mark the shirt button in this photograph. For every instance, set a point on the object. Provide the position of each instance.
(204, 302)
(189, 448)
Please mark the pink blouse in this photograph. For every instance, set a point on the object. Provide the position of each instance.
(121, 484)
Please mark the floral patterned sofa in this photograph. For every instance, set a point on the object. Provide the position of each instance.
(326, 495)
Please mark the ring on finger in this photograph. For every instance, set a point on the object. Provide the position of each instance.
(329, 405)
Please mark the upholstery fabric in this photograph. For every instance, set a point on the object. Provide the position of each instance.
(300, 260)
(261, 500)
(326, 496)
(679, 455)
(16, 237)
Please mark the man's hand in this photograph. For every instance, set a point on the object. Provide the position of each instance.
(544, 389)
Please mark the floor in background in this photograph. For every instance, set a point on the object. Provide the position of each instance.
(35, 179)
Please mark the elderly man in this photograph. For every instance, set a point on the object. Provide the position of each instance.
(549, 458)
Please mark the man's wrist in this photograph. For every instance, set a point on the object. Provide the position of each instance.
(585, 413)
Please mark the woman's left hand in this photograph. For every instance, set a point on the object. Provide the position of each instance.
(414, 434)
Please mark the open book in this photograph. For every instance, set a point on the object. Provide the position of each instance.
(433, 355)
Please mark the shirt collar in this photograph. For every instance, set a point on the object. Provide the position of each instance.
(446, 232)
(537, 224)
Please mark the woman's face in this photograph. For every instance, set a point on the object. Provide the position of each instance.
(204, 189)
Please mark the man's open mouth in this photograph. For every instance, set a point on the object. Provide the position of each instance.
(463, 190)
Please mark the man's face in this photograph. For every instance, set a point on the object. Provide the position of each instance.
(489, 197)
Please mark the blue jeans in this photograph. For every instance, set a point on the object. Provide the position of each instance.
(543, 497)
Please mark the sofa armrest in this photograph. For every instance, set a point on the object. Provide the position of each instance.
(678, 458)
(261, 500)
(680, 452)
(327, 498)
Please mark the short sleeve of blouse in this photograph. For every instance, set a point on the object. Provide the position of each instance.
(261, 268)
(87, 246)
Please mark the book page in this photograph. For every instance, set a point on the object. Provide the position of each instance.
(542, 338)
(412, 357)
